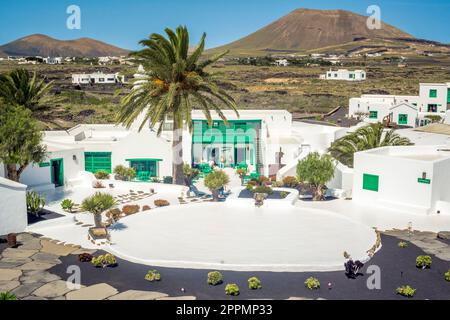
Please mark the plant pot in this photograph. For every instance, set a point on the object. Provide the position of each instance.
(12, 239)
(259, 199)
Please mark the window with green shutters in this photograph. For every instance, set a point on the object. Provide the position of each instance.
(97, 161)
(373, 114)
(402, 119)
(371, 182)
(433, 93)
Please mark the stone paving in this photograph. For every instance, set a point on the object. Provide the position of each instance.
(23, 270)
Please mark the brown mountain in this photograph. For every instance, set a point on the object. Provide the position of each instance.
(305, 29)
(42, 45)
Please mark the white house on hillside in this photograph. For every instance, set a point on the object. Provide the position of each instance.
(411, 111)
(97, 78)
(345, 75)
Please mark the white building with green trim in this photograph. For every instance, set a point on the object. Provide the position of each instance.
(412, 179)
(430, 105)
(266, 142)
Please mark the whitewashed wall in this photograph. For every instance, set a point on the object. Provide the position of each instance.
(13, 209)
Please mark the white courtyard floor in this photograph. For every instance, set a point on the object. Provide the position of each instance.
(307, 236)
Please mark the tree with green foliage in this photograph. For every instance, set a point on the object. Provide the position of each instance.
(172, 83)
(190, 174)
(97, 204)
(20, 140)
(215, 181)
(316, 170)
(365, 138)
(20, 88)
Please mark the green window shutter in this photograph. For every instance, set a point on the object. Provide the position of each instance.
(373, 115)
(402, 119)
(433, 93)
(97, 161)
(448, 95)
(371, 182)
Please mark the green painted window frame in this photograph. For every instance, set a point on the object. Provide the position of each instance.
(371, 182)
(402, 118)
(373, 114)
(97, 161)
(433, 93)
(149, 165)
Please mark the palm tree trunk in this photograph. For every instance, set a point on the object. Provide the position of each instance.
(177, 153)
(98, 220)
(11, 172)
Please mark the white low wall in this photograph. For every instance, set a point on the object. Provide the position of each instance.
(13, 208)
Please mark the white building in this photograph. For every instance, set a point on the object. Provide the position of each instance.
(53, 60)
(345, 75)
(267, 142)
(413, 179)
(412, 111)
(13, 209)
(282, 62)
(97, 78)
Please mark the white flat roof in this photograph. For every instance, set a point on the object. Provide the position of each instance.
(419, 153)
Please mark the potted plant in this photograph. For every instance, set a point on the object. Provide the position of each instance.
(97, 204)
(216, 181)
(241, 172)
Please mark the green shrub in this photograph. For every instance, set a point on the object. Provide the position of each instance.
(98, 203)
(290, 182)
(215, 278)
(155, 180)
(232, 289)
(102, 261)
(35, 202)
(254, 283)
(402, 244)
(216, 180)
(423, 262)
(101, 175)
(67, 205)
(262, 189)
(7, 296)
(406, 291)
(447, 275)
(284, 194)
(277, 184)
(312, 283)
(168, 180)
(153, 275)
(124, 173)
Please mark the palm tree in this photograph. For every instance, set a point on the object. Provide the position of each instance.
(174, 81)
(97, 204)
(21, 89)
(365, 138)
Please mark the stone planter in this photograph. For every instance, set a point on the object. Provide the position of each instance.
(259, 199)
(12, 239)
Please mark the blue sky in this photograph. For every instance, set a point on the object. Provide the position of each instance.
(125, 22)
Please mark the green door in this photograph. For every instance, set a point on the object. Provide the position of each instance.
(97, 161)
(57, 172)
